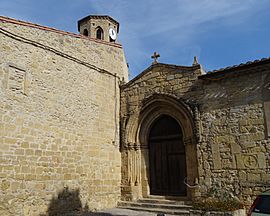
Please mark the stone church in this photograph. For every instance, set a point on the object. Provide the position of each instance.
(70, 119)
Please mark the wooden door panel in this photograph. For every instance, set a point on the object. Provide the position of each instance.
(167, 158)
(158, 163)
(177, 172)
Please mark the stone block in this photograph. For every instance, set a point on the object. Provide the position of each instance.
(235, 148)
(242, 175)
(247, 145)
(15, 186)
(5, 185)
(243, 129)
(10, 141)
(243, 122)
(25, 169)
(29, 152)
(20, 151)
(265, 177)
(25, 145)
(29, 177)
(261, 160)
(254, 177)
(216, 156)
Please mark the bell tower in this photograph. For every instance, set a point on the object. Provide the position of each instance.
(100, 27)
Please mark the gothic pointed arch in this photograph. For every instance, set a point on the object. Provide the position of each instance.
(157, 105)
(136, 139)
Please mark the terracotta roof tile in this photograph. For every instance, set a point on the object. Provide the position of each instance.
(235, 68)
(239, 65)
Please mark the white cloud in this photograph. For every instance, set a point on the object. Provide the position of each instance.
(169, 27)
(173, 24)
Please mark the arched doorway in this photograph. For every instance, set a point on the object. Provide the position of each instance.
(167, 158)
(139, 136)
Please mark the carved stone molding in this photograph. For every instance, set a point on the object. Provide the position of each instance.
(189, 141)
(134, 167)
(15, 80)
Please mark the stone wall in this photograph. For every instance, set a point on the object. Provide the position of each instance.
(164, 85)
(234, 145)
(229, 124)
(59, 113)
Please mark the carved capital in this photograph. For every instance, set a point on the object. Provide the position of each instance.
(189, 141)
(132, 146)
(136, 146)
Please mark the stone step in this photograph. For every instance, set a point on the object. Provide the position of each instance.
(165, 201)
(166, 207)
(183, 198)
(159, 210)
(153, 205)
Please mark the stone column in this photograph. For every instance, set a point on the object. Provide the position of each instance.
(192, 167)
(131, 167)
(145, 171)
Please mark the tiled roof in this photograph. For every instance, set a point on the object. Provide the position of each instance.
(223, 71)
(32, 25)
(99, 17)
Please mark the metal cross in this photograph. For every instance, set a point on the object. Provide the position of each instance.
(155, 57)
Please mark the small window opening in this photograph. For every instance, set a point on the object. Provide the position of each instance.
(85, 32)
(99, 33)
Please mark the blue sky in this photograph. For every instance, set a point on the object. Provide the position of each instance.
(220, 33)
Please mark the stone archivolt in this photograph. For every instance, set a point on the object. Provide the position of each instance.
(136, 142)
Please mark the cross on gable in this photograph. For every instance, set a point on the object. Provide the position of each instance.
(155, 57)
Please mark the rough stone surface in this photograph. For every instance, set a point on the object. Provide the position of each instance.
(60, 136)
(229, 118)
(58, 119)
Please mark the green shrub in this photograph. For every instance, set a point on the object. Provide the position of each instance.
(218, 205)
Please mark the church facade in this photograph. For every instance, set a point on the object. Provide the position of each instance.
(185, 133)
(70, 120)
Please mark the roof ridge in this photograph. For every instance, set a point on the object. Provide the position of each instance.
(156, 65)
(46, 28)
(239, 65)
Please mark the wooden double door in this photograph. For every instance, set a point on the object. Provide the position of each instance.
(167, 158)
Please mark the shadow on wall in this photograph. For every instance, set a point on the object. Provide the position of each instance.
(68, 203)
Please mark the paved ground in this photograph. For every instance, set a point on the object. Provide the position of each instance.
(112, 212)
(125, 212)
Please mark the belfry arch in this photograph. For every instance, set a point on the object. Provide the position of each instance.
(136, 176)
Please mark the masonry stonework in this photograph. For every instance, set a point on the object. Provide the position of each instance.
(59, 113)
(229, 143)
(72, 127)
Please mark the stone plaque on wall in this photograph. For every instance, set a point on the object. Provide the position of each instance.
(250, 161)
(15, 79)
(216, 155)
(266, 106)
